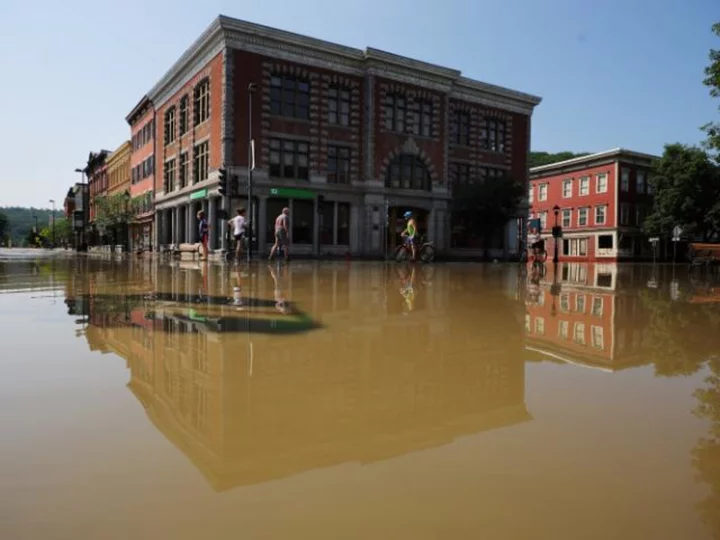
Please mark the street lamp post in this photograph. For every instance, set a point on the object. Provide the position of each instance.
(84, 194)
(556, 234)
(251, 159)
(53, 222)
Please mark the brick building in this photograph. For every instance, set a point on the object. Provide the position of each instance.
(142, 173)
(96, 171)
(344, 137)
(602, 201)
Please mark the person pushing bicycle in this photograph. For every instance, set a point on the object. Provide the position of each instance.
(410, 232)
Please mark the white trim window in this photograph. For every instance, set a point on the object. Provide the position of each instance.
(597, 336)
(597, 306)
(584, 186)
(567, 188)
(539, 326)
(543, 220)
(580, 303)
(542, 192)
(600, 215)
(582, 217)
(531, 191)
(567, 218)
(601, 183)
(625, 180)
(579, 333)
(563, 329)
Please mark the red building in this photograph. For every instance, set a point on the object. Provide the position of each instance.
(601, 199)
(142, 177)
(97, 176)
(348, 139)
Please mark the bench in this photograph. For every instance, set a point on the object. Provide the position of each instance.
(704, 254)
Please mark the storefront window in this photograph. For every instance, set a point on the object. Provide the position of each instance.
(465, 236)
(327, 218)
(302, 215)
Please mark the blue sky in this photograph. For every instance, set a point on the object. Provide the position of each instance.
(610, 73)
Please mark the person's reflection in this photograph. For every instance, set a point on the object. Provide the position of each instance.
(279, 274)
(407, 291)
(237, 289)
(533, 287)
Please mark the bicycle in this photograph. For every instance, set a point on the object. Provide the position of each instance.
(426, 251)
(538, 256)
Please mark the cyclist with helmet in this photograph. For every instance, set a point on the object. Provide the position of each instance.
(410, 232)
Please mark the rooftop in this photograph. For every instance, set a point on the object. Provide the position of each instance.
(591, 159)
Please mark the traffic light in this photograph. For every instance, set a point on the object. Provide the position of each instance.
(321, 200)
(223, 189)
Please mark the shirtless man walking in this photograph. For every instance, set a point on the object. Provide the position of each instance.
(282, 234)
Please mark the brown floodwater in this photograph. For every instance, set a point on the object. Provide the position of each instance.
(352, 400)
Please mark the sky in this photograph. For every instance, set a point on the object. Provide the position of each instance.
(611, 74)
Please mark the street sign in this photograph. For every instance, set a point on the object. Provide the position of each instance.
(677, 232)
(654, 239)
(292, 193)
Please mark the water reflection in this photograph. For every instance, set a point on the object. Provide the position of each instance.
(368, 386)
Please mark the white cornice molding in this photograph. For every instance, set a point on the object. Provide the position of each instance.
(593, 160)
(226, 32)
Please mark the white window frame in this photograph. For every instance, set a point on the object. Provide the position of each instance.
(567, 182)
(598, 177)
(604, 214)
(543, 220)
(566, 213)
(597, 306)
(584, 181)
(565, 302)
(582, 212)
(564, 330)
(579, 333)
(539, 326)
(531, 191)
(580, 303)
(542, 193)
(597, 337)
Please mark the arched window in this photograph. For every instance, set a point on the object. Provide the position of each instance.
(407, 171)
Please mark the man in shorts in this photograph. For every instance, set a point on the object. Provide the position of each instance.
(282, 233)
(238, 224)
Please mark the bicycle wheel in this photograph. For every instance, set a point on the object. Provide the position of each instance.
(427, 253)
(400, 254)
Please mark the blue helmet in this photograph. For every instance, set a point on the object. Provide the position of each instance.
(407, 214)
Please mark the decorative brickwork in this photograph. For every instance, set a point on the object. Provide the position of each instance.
(409, 147)
(413, 98)
(354, 128)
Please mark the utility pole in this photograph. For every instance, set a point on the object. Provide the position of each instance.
(53, 222)
(251, 167)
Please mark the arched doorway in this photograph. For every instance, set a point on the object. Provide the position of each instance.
(396, 224)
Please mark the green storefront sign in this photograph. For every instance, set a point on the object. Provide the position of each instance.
(292, 193)
(198, 194)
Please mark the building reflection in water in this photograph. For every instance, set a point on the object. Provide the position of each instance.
(375, 377)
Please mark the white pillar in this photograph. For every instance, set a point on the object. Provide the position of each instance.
(189, 220)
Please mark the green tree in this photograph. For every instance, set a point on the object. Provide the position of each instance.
(113, 213)
(538, 159)
(3, 226)
(486, 206)
(712, 81)
(686, 184)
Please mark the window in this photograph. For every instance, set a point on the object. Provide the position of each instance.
(133, 175)
(338, 165)
(459, 174)
(584, 186)
(539, 326)
(542, 192)
(201, 101)
(395, 113)
(543, 220)
(184, 115)
(200, 162)
(580, 303)
(423, 119)
(565, 302)
(625, 180)
(597, 337)
(408, 172)
(640, 181)
(170, 125)
(649, 189)
(601, 183)
(530, 193)
(169, 175)
(579, 333)
(563, 329)
(567, 188)
(597, 306)
(574, 247)
(600, 215)
(290, 96)
(493, 135)
(605, 241)
(460, 128)
(289, 159)
(339, 106)
(490, 172)
(183, 176)
(624, 213)
(301, 218)
(326, 211)
(582, 217)
(582, 246)
(566, 218)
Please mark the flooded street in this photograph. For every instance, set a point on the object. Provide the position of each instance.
(353, 400)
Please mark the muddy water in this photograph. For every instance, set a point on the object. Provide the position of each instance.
(361, 400)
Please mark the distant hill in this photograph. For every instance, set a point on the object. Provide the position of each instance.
(21, 221)
(546, 158)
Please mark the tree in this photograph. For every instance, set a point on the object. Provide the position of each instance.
(486, 206)
(686, 184)
(712, 81)
(3, 225)
(113, 213)
(538, 159)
